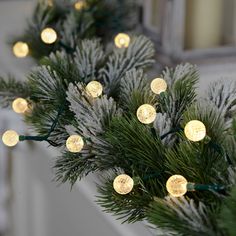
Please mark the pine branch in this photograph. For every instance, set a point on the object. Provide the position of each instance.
(135, 91)
(10, 89)
(113, 16)
(92, 116)
(222, 94)
(130, 208)
(227, 216)
(181, 93)
(43, 16)
(138, 55)
(71, 167)
(77, 25)
(89, 56)
(180, 216)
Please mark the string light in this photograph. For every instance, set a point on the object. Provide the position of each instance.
(122, 40)
(75, 143)
(146, 114)
(176, 185)
(195, 130)
(80, 5)
(94, 89)
(10, 138)
(49, 35)
(20, 49)
(158, 85)
(20, 105)
(123, 184)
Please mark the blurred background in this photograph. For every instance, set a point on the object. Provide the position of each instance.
(202, 32)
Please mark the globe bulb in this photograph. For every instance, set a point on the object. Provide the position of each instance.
(75, 143)
(20, 49)
(123, 184)
(10, 138)
(50, 3)
(122, 40)
(49, 35)
(20, 105)
(146, 114)
(94, 89)
(195, 130)
(80, 5)
(158, 85)
(176, 185)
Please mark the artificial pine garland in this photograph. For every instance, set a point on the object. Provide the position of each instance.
(163, 153)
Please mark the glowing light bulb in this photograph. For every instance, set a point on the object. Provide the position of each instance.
(75, 143)
(94, 89)
(10, 138)
(80, 5)
(176, 185)
(146, 114)
(195, 130)
(50, 3)
(122, 40)
(123, 184)
(20, 49)
(49, 35)
(20, 105)
(158, 85)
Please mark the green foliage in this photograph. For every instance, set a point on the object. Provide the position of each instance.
(72, 166)
(44, 16)
(10, 89)
(182, 82)
(183, 217)
(113, 16)
(130, 207)
(102, 18)
(116, 142)
(227, 216)
(135, 91)
(139, 55)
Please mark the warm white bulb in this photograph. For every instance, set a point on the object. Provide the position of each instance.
(80, 5)
(94, 89)
(20, 105)
(75, 143)
(158, 85)
(20, 49)
(176, 185)
(50, 3)
(10, 138)
(123, 184)
(122, 40)
(195, 130)
(49, 35)
(146, 114)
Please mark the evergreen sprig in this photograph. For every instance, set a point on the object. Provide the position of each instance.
(117, 142)
(103, 18)
(10, 89)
